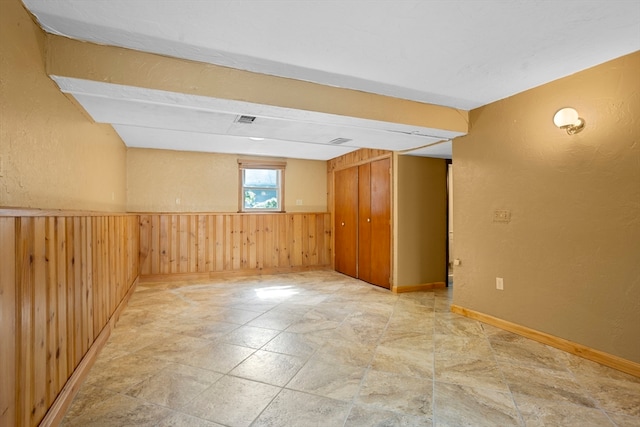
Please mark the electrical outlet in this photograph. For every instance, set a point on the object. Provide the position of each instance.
(500, 283)
(299, 202)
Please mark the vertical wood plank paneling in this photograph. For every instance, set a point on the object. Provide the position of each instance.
(84, 317)
(211, 242)
(109, 263)
(61, 347)
(55, 274)
(105, 301)
(77, 291)
(219, 243)
(70, 306)
(328, 239)
(165, 244)
(118, 237)
(39, 322)
(251, 234)
(145, 244)
(184, 244)
(192, 237)
(296, 240)
(95, 267)
(259, 236)
(8, 336)
(175, 245)
(52, 308)
(227, 243)
(244, 238)
(201, 237)
(25, 351)
(283, 241)
(89, 295)
(204, 243)
(270, 250)
(310, 240)
(155, 243)
(236, 238)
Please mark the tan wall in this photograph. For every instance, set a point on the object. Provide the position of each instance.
(51, 154)
(420, 220)
(207, 182)
(570, 257)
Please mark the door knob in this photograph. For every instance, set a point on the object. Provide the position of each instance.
(368, 219)
(343, 224)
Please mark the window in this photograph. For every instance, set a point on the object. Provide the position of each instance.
(261, 186)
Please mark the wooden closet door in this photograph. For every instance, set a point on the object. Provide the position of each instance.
(364, 222)
(380, 265)
(346, 221)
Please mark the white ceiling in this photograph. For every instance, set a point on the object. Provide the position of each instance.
(458, 53)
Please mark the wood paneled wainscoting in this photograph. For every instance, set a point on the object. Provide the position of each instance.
(64, 277)
(199, 245)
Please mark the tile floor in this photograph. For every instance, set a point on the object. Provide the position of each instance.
(321, 349)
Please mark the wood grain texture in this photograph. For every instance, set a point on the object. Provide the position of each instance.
(361, 197)
(8, 338)
(195, 245)
(61, 281)
(355, 158)
(589, 353)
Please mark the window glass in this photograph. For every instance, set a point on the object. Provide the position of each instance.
(261, 189)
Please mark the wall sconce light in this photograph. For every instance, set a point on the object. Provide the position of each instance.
(567, 119)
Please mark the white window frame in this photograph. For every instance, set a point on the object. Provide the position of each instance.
(244, 164)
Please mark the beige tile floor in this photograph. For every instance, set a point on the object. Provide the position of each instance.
(322, 349)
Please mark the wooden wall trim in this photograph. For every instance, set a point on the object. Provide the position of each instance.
(179, 277)
(420, 287)
(29, 212)
(229, 213)
(58, 409)
(583, 351)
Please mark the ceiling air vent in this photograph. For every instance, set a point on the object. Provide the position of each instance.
(245, 119)
(339, 141)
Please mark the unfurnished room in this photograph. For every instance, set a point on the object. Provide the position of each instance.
(319, 213)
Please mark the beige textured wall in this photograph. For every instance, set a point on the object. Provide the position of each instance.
(51, 154)
(570, 257)
(206, 182)
(420, 220)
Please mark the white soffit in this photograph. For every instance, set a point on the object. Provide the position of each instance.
(176, 121)
(440, 150)
(140, 137)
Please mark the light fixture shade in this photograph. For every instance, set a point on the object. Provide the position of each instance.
(567, 118)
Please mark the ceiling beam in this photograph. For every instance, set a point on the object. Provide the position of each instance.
(71, 58)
